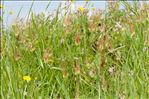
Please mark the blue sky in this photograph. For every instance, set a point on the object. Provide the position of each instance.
(39, 6)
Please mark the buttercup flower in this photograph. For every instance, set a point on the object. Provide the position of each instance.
(1, 7)
(27, 78)
(80, 8)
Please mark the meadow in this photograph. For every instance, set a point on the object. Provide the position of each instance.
(76, 55)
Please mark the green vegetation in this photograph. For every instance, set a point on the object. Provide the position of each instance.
(74, 55)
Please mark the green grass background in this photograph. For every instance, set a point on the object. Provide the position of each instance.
(80, 57)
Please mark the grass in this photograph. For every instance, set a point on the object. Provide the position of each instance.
(104, 55)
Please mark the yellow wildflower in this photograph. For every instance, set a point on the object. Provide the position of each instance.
(11, 12)
(1, 7)
(27, 78)
(80, 8)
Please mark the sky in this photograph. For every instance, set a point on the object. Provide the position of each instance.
(38, 7)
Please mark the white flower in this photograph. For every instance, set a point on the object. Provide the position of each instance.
(92, 73)
(111, 70)
(131, 72)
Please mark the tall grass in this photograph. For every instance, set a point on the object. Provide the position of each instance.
(104, 55)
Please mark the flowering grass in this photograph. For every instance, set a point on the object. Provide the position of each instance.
(104, 55)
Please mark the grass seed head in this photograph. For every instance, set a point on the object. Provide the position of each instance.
(47, 56)
(77, 69)
(77, 40)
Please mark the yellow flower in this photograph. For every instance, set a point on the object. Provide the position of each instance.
(11, 12)
(1, 7)
(80, 8)
(26, 78)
